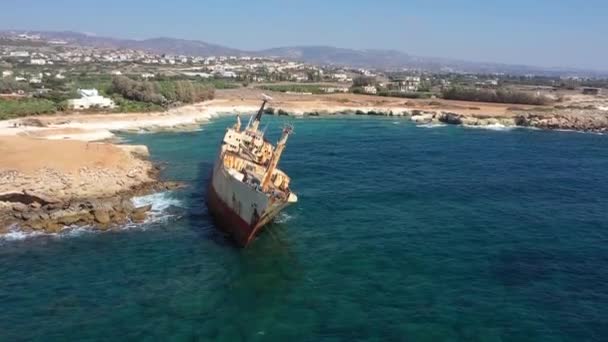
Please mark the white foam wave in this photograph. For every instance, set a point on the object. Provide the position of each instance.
(283, 217)
(160, 202)
(16, 235)
(431, 125)
(579, 132)
(492, 127)
(604, 108)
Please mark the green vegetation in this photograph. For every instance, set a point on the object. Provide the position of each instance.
(498, 96)
(137, 91)
(161, 93)
(130, 95)
(128, 106)
(185, 91)
(418, 95)
(363, 81)
(294, 88)
(13, 108)
(8, 86)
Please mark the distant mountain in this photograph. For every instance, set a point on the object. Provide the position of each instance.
(326, 55)
(156, 45)
(393, 59)
(332, 55)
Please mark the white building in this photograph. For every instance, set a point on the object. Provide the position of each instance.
(7, 73)
(409, 84)
(19, 54)
(38, 61)
(341, 77)
(147, 75)
(90, 98)
(370, 89)
(228, 74)
(330, 90)
(195, 74)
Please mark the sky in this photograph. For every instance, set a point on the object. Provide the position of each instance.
(557, 33)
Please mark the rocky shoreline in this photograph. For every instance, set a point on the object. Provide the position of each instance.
(593, 121)
(47, 186)
(31, 212)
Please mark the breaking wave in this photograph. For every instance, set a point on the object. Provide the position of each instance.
(492, 127)
(161, 203)
(431, 125)
(283, 218)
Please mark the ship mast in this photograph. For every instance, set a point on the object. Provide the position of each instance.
(258, 117)
(276, 156)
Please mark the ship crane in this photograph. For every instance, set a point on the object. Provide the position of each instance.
(276, 156)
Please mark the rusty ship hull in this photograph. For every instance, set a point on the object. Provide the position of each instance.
(247, 190)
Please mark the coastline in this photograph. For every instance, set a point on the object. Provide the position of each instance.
(65, 170)
(99, 127)
(47, 186)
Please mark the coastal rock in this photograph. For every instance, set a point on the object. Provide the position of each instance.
(52, 227)
(40, 198)
(119, 217)
(423, 117)
(143, 209)
(19, 207)
(83, 217)
(140, 151)
(450, 118)
(140, 214)
(102, 216)
(30, 215)
(571, 119)
(36, 225)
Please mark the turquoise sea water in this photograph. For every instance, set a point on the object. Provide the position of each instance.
(402, 233)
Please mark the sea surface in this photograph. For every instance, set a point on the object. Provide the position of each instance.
(402, 233)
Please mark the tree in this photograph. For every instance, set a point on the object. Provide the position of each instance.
(363, 81)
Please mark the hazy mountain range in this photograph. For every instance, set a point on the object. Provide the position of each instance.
(326, 55)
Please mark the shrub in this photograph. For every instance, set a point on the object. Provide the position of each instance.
(498, 96)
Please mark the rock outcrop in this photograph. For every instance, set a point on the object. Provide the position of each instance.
(43, 214)
(577, 120)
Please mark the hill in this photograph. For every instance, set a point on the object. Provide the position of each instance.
(326, 55)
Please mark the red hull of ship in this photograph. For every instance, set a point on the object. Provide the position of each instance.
(226, 219)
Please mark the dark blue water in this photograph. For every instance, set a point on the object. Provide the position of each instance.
(401, 233)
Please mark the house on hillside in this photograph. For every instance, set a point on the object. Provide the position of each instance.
(90, 98)
(38, 61)
(370, 89)
(409, 84)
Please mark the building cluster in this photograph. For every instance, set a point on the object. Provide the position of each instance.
(60, 54)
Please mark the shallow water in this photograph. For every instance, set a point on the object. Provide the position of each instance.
(401, 233)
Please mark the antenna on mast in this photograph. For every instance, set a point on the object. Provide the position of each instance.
(258, 117)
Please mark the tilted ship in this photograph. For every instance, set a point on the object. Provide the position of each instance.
(247, 190)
